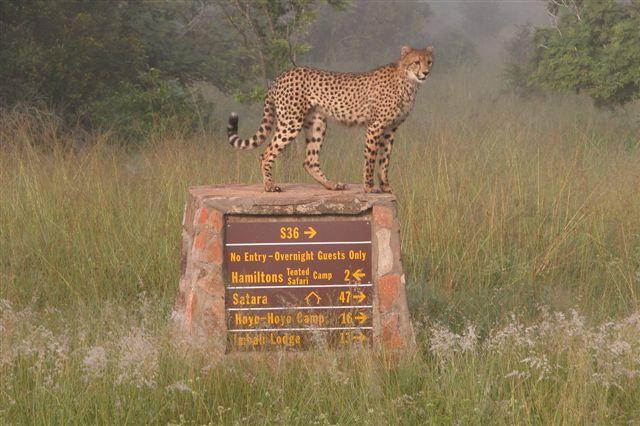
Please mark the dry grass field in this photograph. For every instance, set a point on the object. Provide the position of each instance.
(521, 238)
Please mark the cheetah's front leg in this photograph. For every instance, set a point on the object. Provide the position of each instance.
(374, 131)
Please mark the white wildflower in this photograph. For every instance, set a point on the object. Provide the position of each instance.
(539, 364)
(442, 342)
(138, 361)
(94, 363)
(619, 348)
(518, 374)
(179, 386)
(468, 340)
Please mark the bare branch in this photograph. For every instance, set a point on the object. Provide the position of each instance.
(194, 21)
(554, 21)
(237, 27)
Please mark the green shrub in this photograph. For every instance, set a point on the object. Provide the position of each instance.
(105, 64)
(134, 110)
(594, 49)
(518, 64)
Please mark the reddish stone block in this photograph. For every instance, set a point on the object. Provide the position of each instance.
(215, 220)
(203, 216)
(187, 218)
(188, 312)
(201, 240)
(388, 291)
(391, 338)
(383, 216)
(212, 284)
(213, 251)
(214, 315)
(185, 252)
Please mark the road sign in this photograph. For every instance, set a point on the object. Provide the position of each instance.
(298, 284)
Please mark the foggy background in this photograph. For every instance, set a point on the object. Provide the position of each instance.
(471, 42)
(370, 33)
(131, 67)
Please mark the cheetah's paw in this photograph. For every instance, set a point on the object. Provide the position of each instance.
(274, 188)
(339, 186)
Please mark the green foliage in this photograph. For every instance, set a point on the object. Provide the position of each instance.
(150, 104)
(82, 58)
(518, 64)
(369, 34)
(594, 48)
(62, 53)
(270, 33)
(128, 65)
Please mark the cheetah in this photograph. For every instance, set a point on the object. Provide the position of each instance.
(305, 97)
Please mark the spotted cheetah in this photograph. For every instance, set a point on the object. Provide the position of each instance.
(304, 97)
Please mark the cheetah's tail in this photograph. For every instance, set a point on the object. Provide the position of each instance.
(260, 136)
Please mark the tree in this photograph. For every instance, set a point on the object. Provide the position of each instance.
(271, 33)
(131, 65)
(124, 64)
(593, 48)
(367, 34)
(61, 53)
(518, 65)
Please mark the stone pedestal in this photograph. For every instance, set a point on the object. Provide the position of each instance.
(200, 303)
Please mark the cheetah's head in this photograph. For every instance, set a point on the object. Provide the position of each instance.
(416, 63)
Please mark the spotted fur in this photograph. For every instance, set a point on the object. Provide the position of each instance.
(303, 98)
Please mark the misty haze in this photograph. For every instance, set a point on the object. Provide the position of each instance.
(515, 174)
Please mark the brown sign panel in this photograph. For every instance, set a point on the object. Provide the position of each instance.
(295, 285)
(294, 231)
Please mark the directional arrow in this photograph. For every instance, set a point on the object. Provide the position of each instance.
(362, 317)
(359, 297)
(358, 275)
(360, 337)
(311, 295)
(310, 232)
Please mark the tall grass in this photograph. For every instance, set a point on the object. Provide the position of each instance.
(521, 243)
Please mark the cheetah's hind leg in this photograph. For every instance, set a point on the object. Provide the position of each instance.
(287, 129)
(315, 127)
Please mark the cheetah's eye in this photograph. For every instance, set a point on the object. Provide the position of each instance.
(416, 63)
(430, 62)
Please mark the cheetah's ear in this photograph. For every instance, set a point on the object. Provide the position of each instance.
(430, 49)
(404, 51)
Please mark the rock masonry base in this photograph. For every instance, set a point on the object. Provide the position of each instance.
(200, 303)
